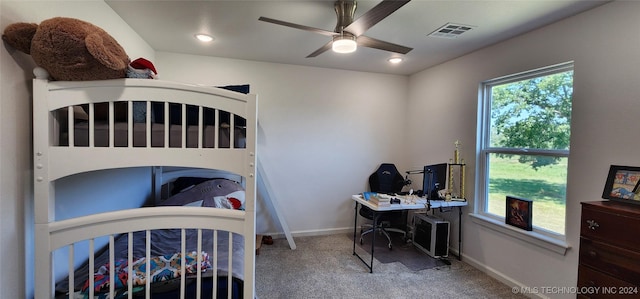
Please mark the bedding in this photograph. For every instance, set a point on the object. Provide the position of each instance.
(162, 268)
(166, 245)
(101, 133)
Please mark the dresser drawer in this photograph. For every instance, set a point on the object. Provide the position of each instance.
(610, 225)
(619, 262)
(602, 285)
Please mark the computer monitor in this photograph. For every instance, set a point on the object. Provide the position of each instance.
(435, 179)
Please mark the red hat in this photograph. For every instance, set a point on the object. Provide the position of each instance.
(142, 63)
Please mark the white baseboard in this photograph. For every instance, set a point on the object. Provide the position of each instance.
(312, 233)
(500, 277)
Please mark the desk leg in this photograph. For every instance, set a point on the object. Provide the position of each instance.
(355, 227)
(459, 233)
(373, 238)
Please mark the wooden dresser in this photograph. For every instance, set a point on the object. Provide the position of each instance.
(609, 250)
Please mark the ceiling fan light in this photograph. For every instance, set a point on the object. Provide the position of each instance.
(344, 44)
(204, 37)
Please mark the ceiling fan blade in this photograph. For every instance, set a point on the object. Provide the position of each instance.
(374, 15)
(369, 42)
(321, 50)
(303, 27)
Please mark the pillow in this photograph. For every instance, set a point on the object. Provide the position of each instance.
(79, 114)
(234, 200)
(204, 195)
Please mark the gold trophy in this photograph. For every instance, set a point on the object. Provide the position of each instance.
(456, 166)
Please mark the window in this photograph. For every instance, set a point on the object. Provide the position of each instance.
(524, 130)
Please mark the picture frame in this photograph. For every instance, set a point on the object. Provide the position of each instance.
(623, 184)
(519, 212)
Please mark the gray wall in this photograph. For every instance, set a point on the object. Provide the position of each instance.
(605, 115)
(321, 132)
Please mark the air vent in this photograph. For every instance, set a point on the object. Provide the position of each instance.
(451, 30)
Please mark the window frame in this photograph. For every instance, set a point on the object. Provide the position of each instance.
(538, 235)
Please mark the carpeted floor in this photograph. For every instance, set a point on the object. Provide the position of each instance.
(325, 267)
(401, 251)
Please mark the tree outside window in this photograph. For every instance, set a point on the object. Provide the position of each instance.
(526, 128)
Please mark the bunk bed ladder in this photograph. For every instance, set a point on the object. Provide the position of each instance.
(265, 191)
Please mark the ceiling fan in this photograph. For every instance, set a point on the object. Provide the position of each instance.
(348, 33)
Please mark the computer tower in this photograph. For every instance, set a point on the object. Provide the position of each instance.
(431, 235)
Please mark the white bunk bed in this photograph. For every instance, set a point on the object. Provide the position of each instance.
(64, 110)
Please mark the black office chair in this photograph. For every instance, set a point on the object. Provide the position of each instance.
(388, 180)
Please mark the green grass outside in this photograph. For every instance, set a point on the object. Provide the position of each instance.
(546, 187)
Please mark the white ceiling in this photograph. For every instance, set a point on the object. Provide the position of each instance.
(169, 26)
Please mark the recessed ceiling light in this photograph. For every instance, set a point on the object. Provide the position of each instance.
(204, 37)
(395, 59)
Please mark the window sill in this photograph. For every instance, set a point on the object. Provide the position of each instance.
(534, 238)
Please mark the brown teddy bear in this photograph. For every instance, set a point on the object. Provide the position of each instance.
(69, 49)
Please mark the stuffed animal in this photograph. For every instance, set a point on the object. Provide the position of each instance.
(69, 49)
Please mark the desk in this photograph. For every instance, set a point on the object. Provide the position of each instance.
(419, 204)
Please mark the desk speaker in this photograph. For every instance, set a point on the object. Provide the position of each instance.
(431, 235)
